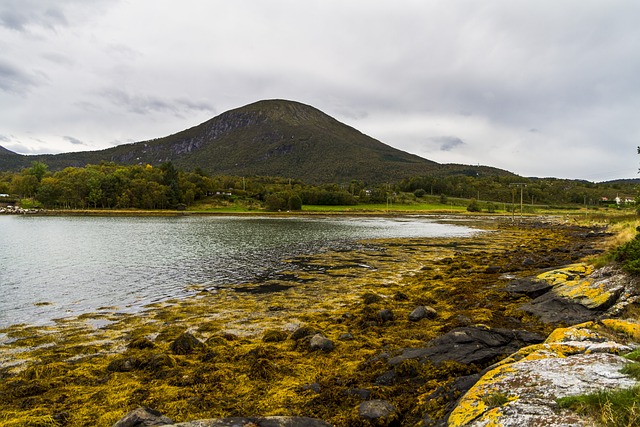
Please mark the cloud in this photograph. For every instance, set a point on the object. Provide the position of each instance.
(447, 143)
(19, 14)
(5, 138)
(148, 104)
(14, 79)
(73, 140)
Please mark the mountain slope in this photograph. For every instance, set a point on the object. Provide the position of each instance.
(271, 137)
(279, 138)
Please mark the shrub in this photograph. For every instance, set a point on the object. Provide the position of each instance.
(474, 206)
(628, 255)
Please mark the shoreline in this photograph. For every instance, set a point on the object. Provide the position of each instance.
(235, 355)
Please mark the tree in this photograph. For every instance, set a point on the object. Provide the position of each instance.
(294, 203)
(474, 206)
(38, 169)
(275, 202)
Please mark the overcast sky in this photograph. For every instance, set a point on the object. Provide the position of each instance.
(540, 88)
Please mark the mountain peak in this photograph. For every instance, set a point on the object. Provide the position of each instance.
(274, 137)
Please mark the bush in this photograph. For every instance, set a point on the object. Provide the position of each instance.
(474, 206)
(628, 255)
(419, 192)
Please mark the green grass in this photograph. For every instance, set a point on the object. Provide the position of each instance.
(619, 408)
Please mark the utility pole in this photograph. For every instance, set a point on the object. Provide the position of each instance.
(521, 185)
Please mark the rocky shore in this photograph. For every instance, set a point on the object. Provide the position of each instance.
(411, 332)
(15, 210)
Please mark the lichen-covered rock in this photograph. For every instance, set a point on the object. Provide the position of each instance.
(523, 389)
(577, 293)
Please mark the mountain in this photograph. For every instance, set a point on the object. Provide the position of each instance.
(269, 138)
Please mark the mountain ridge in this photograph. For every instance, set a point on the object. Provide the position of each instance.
(269, 137)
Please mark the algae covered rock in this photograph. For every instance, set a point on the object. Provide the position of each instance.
(143, 417)
(386, 315)
(380, 411)
(319, 342)
(467, 345)
(186, 343)
(146, 417)
(422, 312)
(273, 335)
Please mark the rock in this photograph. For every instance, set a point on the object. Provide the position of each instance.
(302, 332)
(256, 422)
(142, 417)
(141, 343)
(378, 410)
(529, 287)
(185, 344)
(387, 378)
(577, 294)
(318, 342)
(467, 345)
(362, 393)
(385, 315)
(274, 336)
(422, 312)
(315, 387)
(523, 389)
(123, 364)
(346, 337)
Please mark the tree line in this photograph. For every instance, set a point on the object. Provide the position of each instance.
(110, 186)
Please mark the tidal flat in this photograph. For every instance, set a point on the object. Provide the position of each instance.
(247, 351)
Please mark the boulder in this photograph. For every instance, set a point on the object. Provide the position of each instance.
(318, 342)
(142, 417)
(380, 411)
(576, 293)
(186, 343)
(523, 389)
(256, 422)
(422, 312)
(385, 315)
(467, 345)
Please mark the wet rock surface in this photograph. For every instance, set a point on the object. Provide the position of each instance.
(470, 345)
(145, 417)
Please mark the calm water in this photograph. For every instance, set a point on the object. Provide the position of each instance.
(53, 267)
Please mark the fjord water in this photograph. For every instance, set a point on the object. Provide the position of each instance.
(54, 267)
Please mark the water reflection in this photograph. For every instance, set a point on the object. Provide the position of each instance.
(54, 267)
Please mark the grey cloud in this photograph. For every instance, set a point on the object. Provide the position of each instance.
(19, 14)
(13, 79)
(447, 143)
(74, 141)
(146, 104)
(5, 138)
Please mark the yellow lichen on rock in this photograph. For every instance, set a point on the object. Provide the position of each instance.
(473, 404)
(630, 328)
(568, 273)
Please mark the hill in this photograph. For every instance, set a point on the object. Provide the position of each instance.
(272, 138)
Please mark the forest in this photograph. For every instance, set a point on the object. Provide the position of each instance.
(112, 186)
